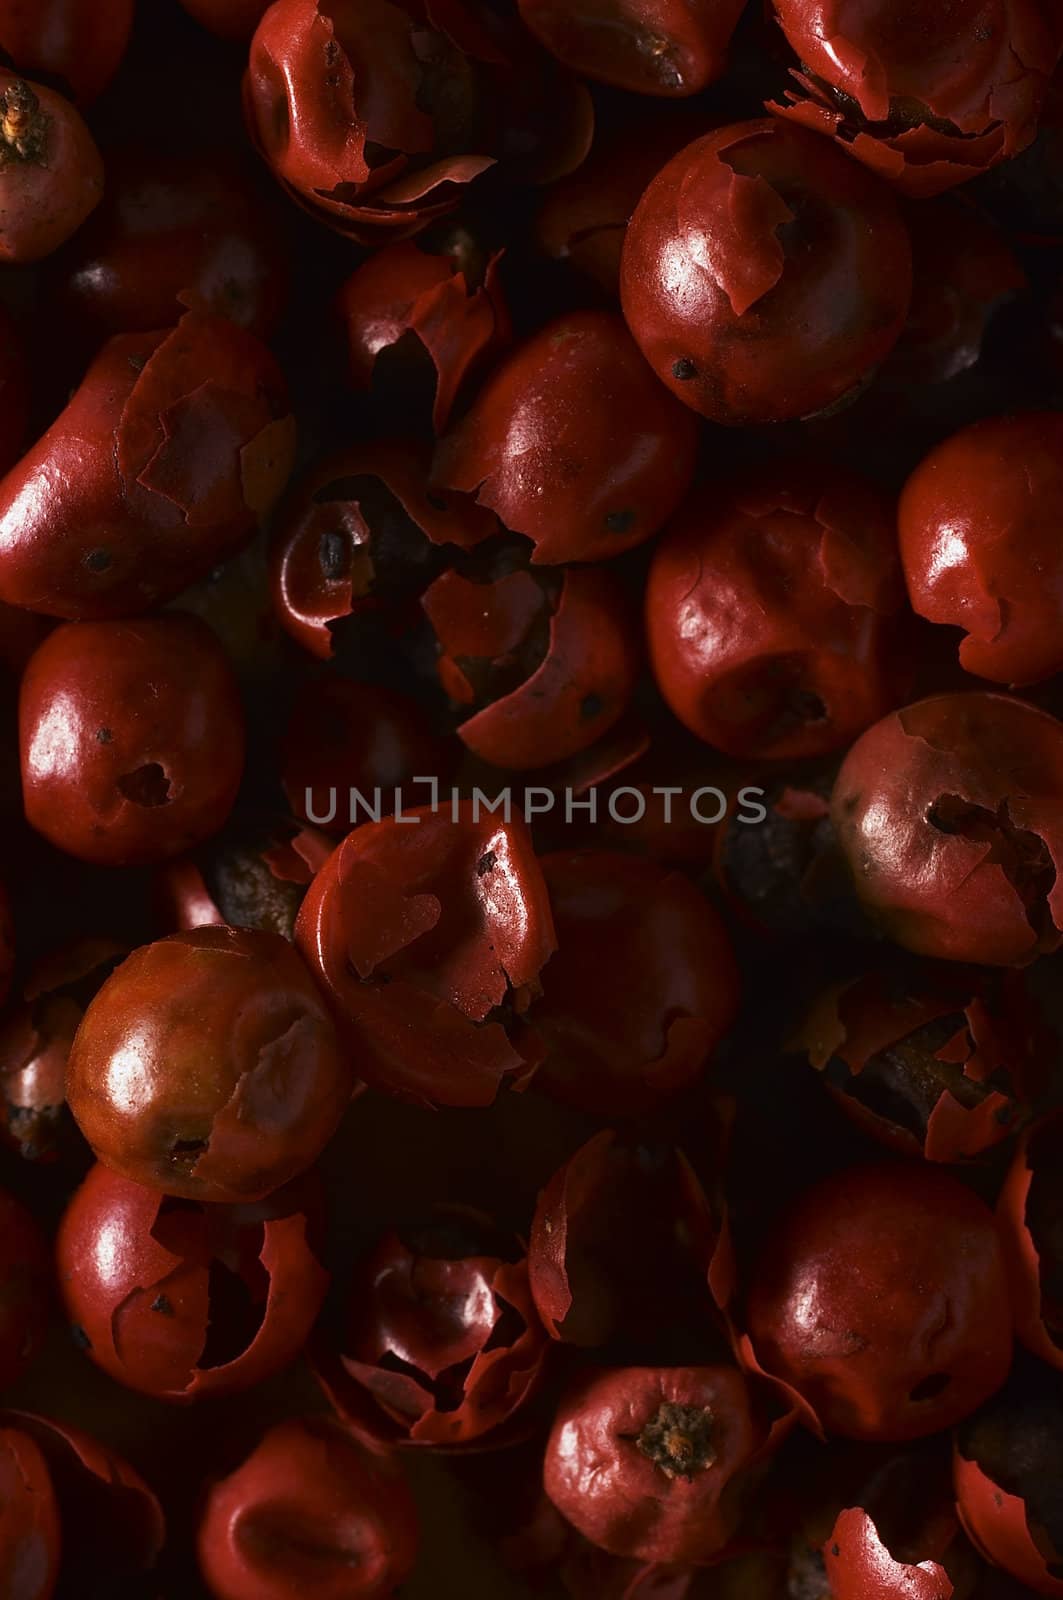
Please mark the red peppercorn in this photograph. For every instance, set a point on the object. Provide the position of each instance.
(71, 1508)
(181, 1300)
(642, 987)
(51, 169)
(544, 665)
(207, 1067)
(437, 298)
(658, 47)
(25, 1289)
(936, 1062)
(71, 42)
(169, 452)
(345, 736)
(360, 530)
(1029, 1211)
(441, 1343)
(651, 1461)
(950, 814)
(1007, 1466)
(253, 875)
(174, 233)
(625, 1243)
(880, 1303)
(771, 614)
(312, 1511)
(764, 275)
(928, 96)
(978, 525)
(573, 443)
(132, 737)
(429, 937)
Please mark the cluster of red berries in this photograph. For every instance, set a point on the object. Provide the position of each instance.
(531, 897)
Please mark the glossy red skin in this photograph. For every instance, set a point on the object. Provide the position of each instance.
(91, 1511)
(1031, 1259)
(403, 290)
(771, 614)
(169, 453)
(229, 19)
(996, 1524)
(310, 1511)
(465, 1371)
(641, 990)
(995, 1046)
(25, 1289)
(132, 738)
(36, 1033)
(417, 933)
(324, 82)
(174, 233)
(856, 1301)
(981, 66)
(658, 47)
(135, 1282)
(860, 1566)
(613, 1236)
(621, 1500)
(344, 735)
(44, 199)
(314, 585)
(765, 325)
(573, 696)
(978, 528)
(573, 444)
(941, 893)
(72, 41)
(207, 1067)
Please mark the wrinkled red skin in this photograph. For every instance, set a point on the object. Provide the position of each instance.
(582, 219)
(963, 271)
(624, 1239)
(70, 1507)
(996, 1524)
(207, 1067)
(14, 391)
(252, 876)
(310, 1511)
(1033, 1256)
(36, 1033)
(771, 615)
(25, 1289)
(52, 171)
(326, 82)
(641, 990)
(671, 48)
(229, 19)
(583, 671)
(573, 444)
(184, 1301)
(979, 520)
(451, 1303)
(74, 43)
(132, 738)
(174, 233)
(985, 763)
(428, 939)
(840, 1313)
(338, 549)
(871, 1555)
(616, 1496)
(442, 298)
(344, 735)
(171, 450)
(764, 275)
(982, 1032)
(926, 96)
